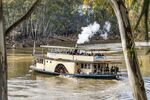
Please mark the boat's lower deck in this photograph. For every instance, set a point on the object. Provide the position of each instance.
(94, 76)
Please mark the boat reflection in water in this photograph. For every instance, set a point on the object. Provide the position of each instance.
(76, 62)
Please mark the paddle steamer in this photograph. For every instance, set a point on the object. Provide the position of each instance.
(75, 62)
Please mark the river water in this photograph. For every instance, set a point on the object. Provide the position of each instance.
(23, 85)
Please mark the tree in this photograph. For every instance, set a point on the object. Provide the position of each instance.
(128, 46)
(3, 64)
(3, 56)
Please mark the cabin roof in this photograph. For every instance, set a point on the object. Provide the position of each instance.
(57, 47)
(98, 49)
(73, 48)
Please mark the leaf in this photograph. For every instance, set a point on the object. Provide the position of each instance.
(134, 2)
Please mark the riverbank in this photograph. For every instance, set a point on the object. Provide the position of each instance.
(137, 44)
(54, 42)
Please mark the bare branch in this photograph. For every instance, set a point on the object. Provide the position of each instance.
(23, 18)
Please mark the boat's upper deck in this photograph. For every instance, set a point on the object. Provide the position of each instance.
(74, 57)
(77, 54)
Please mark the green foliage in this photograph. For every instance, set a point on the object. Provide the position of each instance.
(58, 17)
(144, 12)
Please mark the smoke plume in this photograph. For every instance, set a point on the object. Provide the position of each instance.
(106, 29)
(88, 32)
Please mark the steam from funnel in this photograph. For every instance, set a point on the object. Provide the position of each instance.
(106, 28)
(88, 32)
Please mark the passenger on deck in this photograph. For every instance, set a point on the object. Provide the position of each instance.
(82, 53)
(101, 69)
(112, 69)
(75, 52)
(34, 62)
(95, 71)
(107, 69)
(78, 70)
(98, 72)
(116, 69)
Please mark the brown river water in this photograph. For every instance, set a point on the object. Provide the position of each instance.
(23, 85)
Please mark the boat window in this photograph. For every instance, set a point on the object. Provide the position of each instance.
(85, 66)
(88, 65)
(98, 66)
(107, 65)
(82, 66)
(94, 66)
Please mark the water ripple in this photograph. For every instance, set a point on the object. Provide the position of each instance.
(54, 88)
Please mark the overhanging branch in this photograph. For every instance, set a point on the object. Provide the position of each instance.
(23, 18)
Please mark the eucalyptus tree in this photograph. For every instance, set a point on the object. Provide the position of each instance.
(3, 56)
(3, 64)
(128, 45)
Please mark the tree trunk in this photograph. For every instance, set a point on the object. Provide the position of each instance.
(128, 46)
(34, 46)
(3, 64)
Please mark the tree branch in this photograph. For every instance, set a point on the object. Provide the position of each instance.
(23, 18)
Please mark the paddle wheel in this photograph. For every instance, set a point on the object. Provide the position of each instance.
(60, 68)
